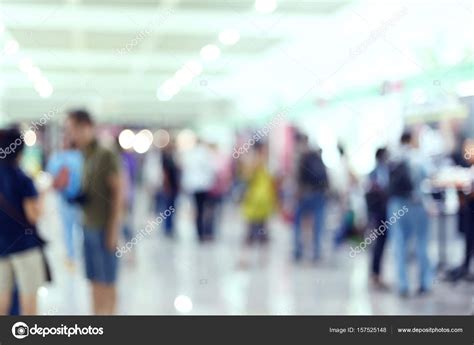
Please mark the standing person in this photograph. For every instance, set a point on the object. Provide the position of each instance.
(66, 168)
(198, 179)
(171, 177)
(466, 217)
(222, 183)
(260, 198)
(312, 183)
(377, 197)
(21, 256)
(407, 172)
(129, 168)
(102, 206)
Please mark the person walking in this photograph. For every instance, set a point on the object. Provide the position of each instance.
(312, 183)
(376, 198)
(407, 172)
(198, 179)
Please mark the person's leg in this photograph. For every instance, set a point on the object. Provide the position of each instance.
(469, 234)
(199, 198)
(6, 285)
(68, 219)
(297, 231)
(170, 205)
(379, 245)
(30, 274)
(421, 229)
(318, 206)
(104, 298)
(399, 231)
(208, 218)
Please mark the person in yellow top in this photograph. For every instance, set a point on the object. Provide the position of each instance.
(260, 197)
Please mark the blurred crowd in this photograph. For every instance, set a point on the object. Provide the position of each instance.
(98, 185)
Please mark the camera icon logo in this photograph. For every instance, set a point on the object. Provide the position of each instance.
(20, 330)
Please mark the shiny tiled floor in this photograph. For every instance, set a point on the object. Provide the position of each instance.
(180, 276)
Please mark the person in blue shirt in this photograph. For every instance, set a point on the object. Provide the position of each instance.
(66, 168)
(21, 257)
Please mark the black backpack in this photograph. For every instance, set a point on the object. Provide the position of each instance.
(400, 182)
(312, 172)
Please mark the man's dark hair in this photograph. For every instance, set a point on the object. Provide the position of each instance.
(406, 137)
(81, 117)
(11, 144)
(381, 153)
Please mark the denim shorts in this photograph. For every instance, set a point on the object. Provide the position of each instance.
(101, 264)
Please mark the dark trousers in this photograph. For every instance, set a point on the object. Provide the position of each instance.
(469, 233)
(203, 216)
(379, 246)
(166, 201)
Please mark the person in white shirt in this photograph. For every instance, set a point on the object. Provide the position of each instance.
(198, 179)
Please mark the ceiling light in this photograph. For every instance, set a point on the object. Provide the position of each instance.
(229, 37)
(44, 88)
(265, 6)
(25, 65)
(210, 52)
(183, 77)
(34, 73)
(465, 89)
(195, 67)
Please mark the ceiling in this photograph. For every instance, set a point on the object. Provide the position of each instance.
(113, 55)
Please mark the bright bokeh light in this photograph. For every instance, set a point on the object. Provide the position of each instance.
(34, 73)
(25, 65)
(143, 141)
(11, 47)
(465, 89)
(185, 140)
(126, 139)
(29, 138)
(183, 77)
(210, 52)
(229, 37)
(195, 67)
(44, 88)
(161, 138)
(265, 6)
(168, 90)
(183, 304)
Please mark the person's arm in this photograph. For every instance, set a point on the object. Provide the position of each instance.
(115, 184)
(33, 209)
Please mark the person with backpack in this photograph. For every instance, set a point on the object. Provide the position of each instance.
(376, 199)
(406, 176)
(312, 183)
